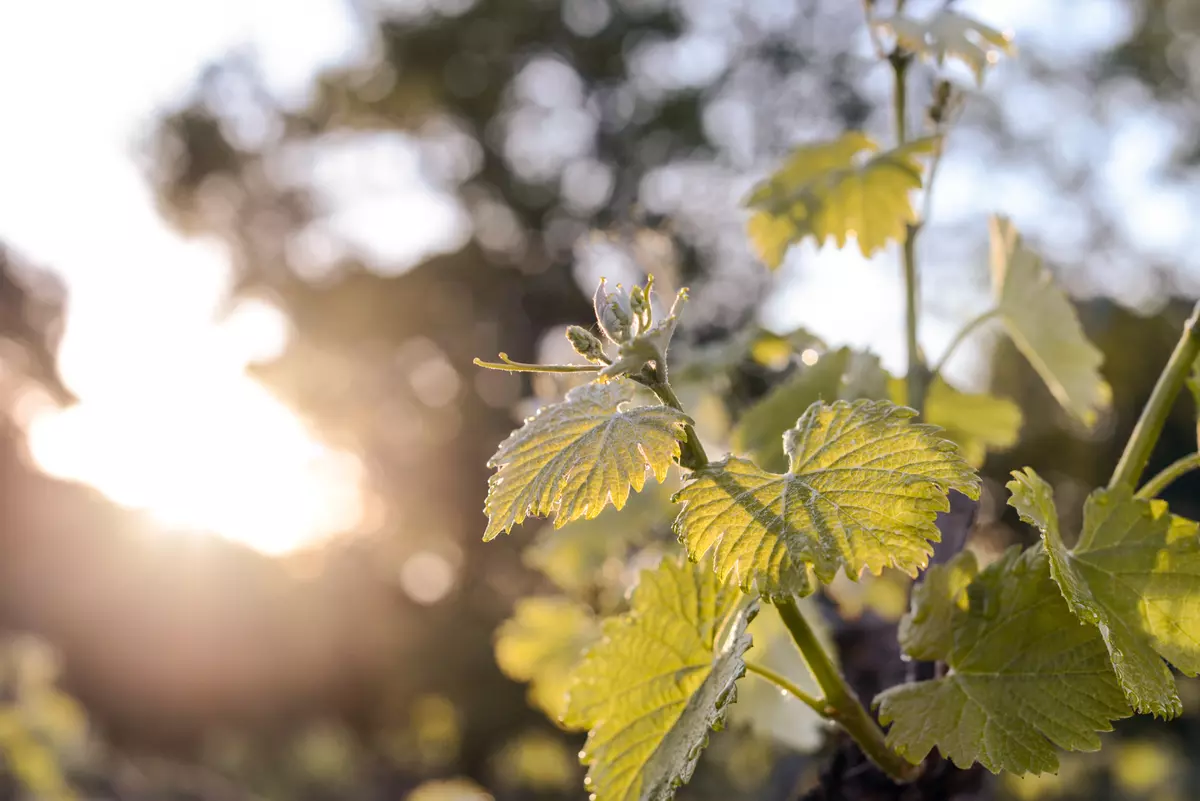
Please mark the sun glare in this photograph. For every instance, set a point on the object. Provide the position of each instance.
(204, 447)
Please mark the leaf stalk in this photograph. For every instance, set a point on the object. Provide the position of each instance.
(779, 680)
(1154, 487)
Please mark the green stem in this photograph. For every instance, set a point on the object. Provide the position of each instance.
(960, 338)
(1154, 487)
(692, 455)
(917, 376)
(841, 703)
(816, 704)
(1154, 415)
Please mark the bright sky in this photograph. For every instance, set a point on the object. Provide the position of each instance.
(168, 421)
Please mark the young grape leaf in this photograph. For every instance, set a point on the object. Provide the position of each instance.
(659, 679)
(977, 422)
(1135, 574)
(947, 33)
(834, 190)
(759, 432)
(1025, 674)
(541, 644)
(1043, 325)
(759, 704)
(573, 458)
(863, 488)
(649, 345)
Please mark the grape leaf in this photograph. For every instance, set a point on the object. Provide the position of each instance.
(1025, 675)
(759, 703)
(947, 33)
(541, 644)
(1135, 574)
(760, 430)
(977, 422)
(1043, 325)
(834, 189)
(573, 458)
(862, 491)
(660, 678)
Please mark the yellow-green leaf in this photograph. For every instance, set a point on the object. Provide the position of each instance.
(1135, 574)
(1043, 325)
(836, 189)
(977, 422)
(573, 458)
(863, 488)
(759, 432)
(659, 680)
(1025, 675)
(949, 34)
(541, 644)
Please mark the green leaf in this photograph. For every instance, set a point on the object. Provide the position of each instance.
(1135, 574)
(864, 486)
(573, 458)
(948, 34)
(760, 706)
(661, 677)
(1025, 675)
(759, 432)
(541, 644)
(927, 632)
(976, 422)
(1043, 325)
(834, 189)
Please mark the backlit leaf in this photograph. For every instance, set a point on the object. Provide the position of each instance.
(1025, 675)
(842, 189)
(659, 680)
(541, 644)
(949, 34)
(573, 458)
(977, 422)
(1135, 574)
(1043, 325)
(864, 486)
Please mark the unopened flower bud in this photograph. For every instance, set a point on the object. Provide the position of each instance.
(613, 312)
(585, 343)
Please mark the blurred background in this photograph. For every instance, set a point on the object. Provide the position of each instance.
(248, 249)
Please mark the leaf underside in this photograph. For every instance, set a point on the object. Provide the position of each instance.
(573, 458)
(827, 190)
(1135, 575)
(1025, 675)
(659, 680)
(1043, 325)
(864, 487)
